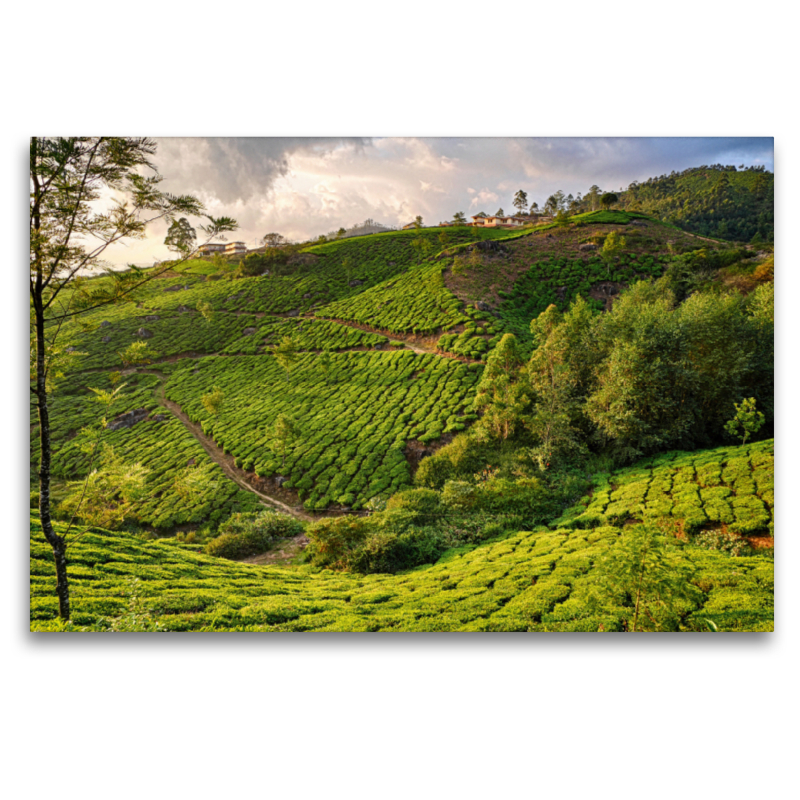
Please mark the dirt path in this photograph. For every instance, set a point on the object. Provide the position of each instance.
(420, 345)
(226, 462)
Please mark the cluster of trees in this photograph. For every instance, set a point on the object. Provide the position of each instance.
(718, 201)
(650, 375)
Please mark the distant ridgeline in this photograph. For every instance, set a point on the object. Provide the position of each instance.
(718, 201)
(361, 229)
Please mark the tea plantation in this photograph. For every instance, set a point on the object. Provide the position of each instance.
(334, 377)
(543, 580)
(159, 442)
(355, 417)
(731, 487)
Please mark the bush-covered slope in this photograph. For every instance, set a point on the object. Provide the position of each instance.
(730, 489)
(354, 418)
(539, 580)
(712, 201)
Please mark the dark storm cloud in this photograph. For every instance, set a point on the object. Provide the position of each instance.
(238, 169)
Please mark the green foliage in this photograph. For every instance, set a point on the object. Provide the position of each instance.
(284, 432)
(213, 401)
(181, 237)
(502, 393)
(463, 457)
(415, 302)
(205, 310)
(285, 354)
(717, 200)
(243, 535)
(647, 577)
(560, 281)
(136, 354)
(523, 581)
(747, 421)
(667, 374)
(608, 199)
(355, 420)
(700, 491)
(109, 495)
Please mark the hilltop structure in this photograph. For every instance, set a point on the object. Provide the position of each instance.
(228, 248)
(482, 220)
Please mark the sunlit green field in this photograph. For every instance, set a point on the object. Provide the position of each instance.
(542, 580)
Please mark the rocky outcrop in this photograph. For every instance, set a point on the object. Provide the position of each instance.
(128, 419)
(489, 247)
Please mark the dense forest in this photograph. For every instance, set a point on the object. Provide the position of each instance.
(717, 201)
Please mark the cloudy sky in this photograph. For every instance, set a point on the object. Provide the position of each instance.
(303, 187)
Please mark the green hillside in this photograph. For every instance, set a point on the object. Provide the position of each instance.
(716, 201)
(542, 580)
(479, 423)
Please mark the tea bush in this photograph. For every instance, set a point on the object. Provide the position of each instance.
(415, 302)
(159, 442)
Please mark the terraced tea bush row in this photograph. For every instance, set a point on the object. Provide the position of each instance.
(415, 302)
(468, 343)
(529, 581)
(559, 281)
(308, 334)
(159, 442)
(74, 407)
(166, 334)
(728, 486)
(354, 417)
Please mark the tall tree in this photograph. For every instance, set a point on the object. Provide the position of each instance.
(181, 237)
(284, 433)
(554, 203)
(273, 240)
(72, 225)
(501, 393)
(521, 202)
(608, 200)
(459, 218)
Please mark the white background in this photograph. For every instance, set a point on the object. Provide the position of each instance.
(202, 716)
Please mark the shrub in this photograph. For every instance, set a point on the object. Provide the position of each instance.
(462, 457)
(244, 535)
(415, 506)
(387, 550)
(333, 540)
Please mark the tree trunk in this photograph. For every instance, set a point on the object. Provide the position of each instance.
(58, 543)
